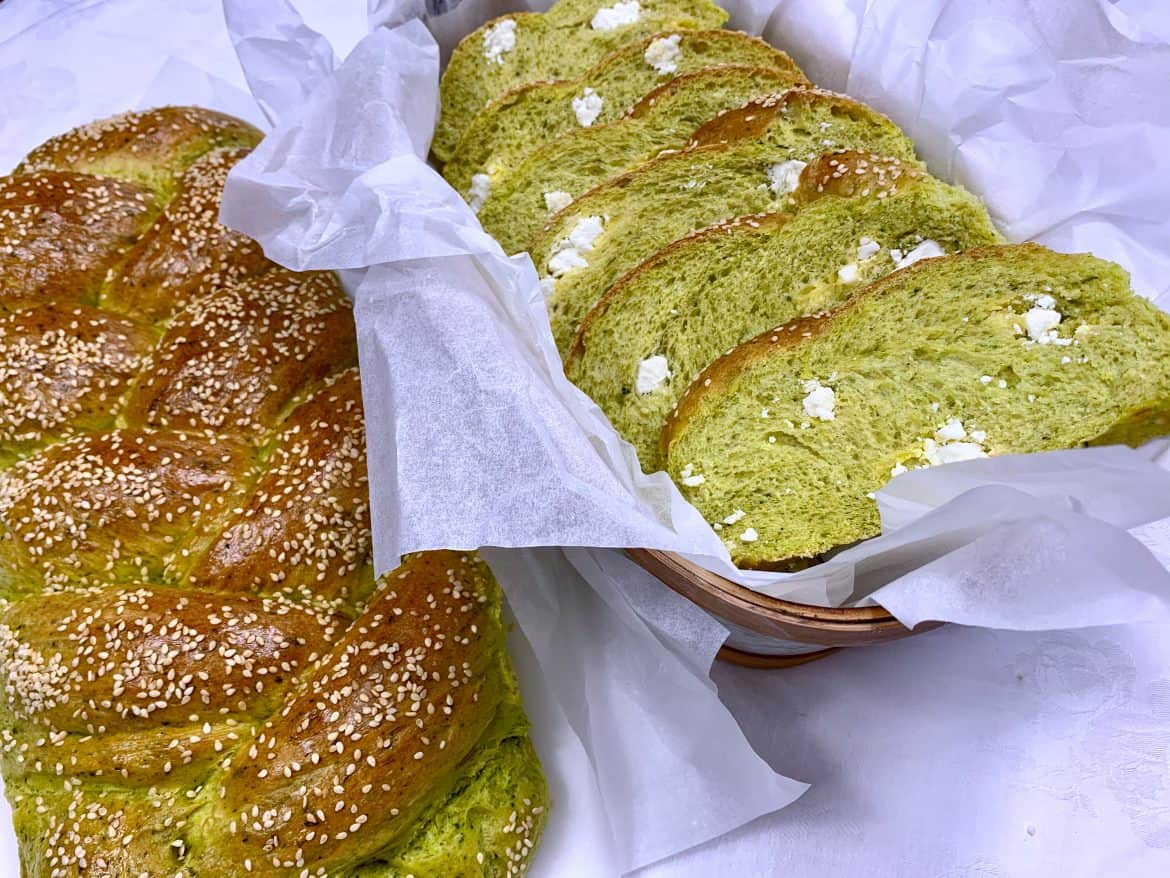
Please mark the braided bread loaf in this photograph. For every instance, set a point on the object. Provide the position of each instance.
(203, 677)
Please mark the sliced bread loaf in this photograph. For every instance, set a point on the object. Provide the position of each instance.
(999, 350)
(550, 177)
(512, 126)
(609, 230)
(559, 44)
(665, 321)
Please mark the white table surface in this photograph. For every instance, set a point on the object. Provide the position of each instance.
(957, 753)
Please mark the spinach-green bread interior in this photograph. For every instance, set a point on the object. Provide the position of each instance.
(741, 163)
(525, 118)
(571, 165)
(1000, 350)
(562, 43)
(710, 291)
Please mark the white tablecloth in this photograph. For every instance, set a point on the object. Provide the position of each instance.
(955, 753)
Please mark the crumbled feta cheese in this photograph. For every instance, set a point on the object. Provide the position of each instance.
(1041, 300)
(1041, 324)
(951, 452)
(749, 535)
(557, 200)
(925, 250)
(952, 431)
(734, 517)
(587, 107)
(567, 254)
(985, 379)
(979, 436)
(547, 285)
(689, 478)
(897, 470)
(867, 249)
(847, 274)
(934, 406)
(618, 15)
(499, 39)
(821, 401)
(481, 188)
(663, 53)
(784, 177)
(652, 371)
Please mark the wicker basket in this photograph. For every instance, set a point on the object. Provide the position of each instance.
(768, 632)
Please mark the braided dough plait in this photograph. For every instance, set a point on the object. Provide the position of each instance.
(202, 675)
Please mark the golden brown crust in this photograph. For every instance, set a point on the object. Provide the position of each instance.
(854, 174)
(187, 253)
(63, 232)
(186, 624)
(685, 81)
(760, 221)
(66, 369)
(119, 506)
(752, 120)
(396, 705)
(233, 359)
(166, 139)
(720, 373)
(135, 658)
(306, 527)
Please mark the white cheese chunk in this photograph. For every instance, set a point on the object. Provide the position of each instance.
(847, 274)
(652, 371)
(926, 250)
(735, 516)
(749, 535)
(587, 107)
(663, 53)
(619, 15)
(951, 452)
(499, 39)
(557, 200)
(481, 188)
(784, 177)
(867, 248)
(951, 431)
(1041, 324)
(569, 252)
(689, 478)
(821, 401)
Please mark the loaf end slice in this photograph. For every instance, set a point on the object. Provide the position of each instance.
(665, 321)
(561, 43)
(1000, 350)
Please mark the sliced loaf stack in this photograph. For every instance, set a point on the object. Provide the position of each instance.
(765, 290)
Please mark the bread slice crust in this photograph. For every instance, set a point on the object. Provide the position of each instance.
(842, 513)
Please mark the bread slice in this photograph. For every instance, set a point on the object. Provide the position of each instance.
(743, 162)
(706, 293)
(525, 118)
(521, 204)
(1000, 350)
(561, 43)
